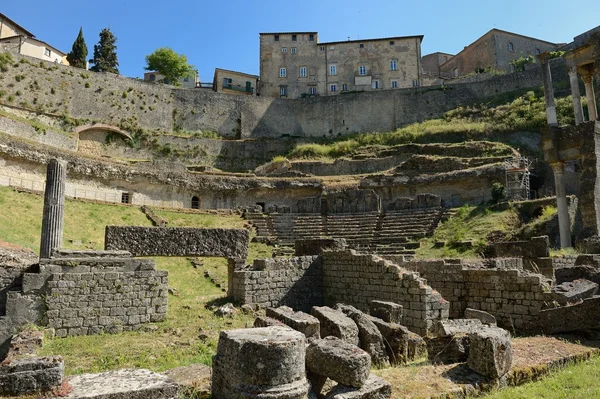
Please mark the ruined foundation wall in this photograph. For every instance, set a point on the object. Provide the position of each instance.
(357, 279)
(105, 301)
(514, 296)
(178, 241)
(295, 282)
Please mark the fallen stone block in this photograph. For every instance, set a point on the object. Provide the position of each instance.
(193, 380)
(27, 342)
(138, 383)
(334, 323)
(490, 352)
(264, 362)
(573, 291)
(28, 375)
(264, 321)
(386, 311)
(369, 337)
(579, 316)
(480, 315)
(448, 350)
(374, 388)
(338, 360)
(401, 344)
(445, 328)
(299, 321)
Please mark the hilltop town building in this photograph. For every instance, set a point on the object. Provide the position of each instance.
(495, 50)
(16, 39)
(235, 82)
(296, 64)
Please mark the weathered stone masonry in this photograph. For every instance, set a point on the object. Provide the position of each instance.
(340, 276)
(106, 292)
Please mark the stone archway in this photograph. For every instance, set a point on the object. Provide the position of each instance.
(102, 140)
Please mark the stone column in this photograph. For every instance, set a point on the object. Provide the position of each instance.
(589, 95)
(548, 90)
(574, 80)
(564, 223)
(54, 208)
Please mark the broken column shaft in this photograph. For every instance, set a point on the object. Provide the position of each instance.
(54, 208)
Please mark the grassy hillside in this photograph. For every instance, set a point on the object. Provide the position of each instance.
(477, 122)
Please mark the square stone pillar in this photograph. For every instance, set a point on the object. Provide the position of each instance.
(564, 224)
(574, 80)
(588, 80)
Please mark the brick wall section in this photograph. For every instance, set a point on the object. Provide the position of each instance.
(295, 282)
(105, 301)
(511, 294)
(357, 279)
(178, 241)
(564, 261)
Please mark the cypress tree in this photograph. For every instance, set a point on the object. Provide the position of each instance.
(105, 53)
(78, 55)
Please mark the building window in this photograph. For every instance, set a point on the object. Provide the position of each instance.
(282, 72)
(312, 91)
(195, 202)
(362, 45)
(293, 50)
(344, 87)
(186, 79)
(47, 52)
(415, 83)
(362, 70)
(322, 48)
(333, 88)
(391, 42)
(302, 72)
(510, 46)
(537, 51)
(284, 49)
(333, 69)
(283, 91)
(393, 65)
(375, 84)
(276, 38)
(152, 77)
(227, 83)
(125, 198)
(294, 38)
(311, 38)
(394, 84)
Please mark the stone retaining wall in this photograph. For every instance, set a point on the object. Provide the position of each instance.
(178, 241)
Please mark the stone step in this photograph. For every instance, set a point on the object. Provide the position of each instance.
(87, 253)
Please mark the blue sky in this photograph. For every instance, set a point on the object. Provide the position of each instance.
(225, 34)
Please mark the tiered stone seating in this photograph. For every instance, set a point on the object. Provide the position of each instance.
(393, 232)
(357, 228)
(264, 226)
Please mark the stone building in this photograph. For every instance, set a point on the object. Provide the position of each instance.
(235, 82)
(496, 49)
(296, 64)
(431, 63)
(16, 39)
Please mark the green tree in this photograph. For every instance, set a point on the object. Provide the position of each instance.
(78, 55)
(498, 192)
(519, 63)
(105, 53)
(168, 63)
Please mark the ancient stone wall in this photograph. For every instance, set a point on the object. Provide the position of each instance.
(295, 282)
(48, 137)
(357, 279)
(178, 241)
(511, 294)
(116, 100)
(102, 301)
